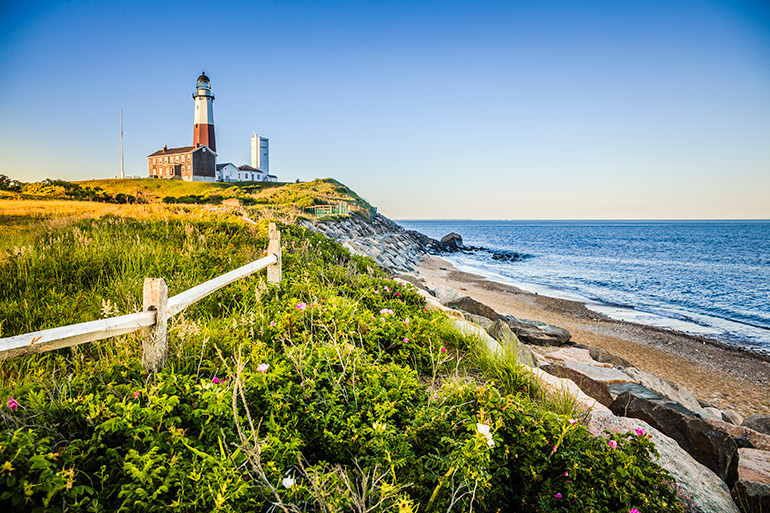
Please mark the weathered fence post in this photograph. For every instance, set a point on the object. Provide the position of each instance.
(274, 248)
(155, 342)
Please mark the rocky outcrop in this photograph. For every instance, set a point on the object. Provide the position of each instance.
(452, 241)
(390, 244)
(709, 445)
(386, 242)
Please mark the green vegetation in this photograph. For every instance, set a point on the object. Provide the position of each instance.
(336, 390)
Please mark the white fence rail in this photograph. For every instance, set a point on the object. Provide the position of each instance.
(158, 308)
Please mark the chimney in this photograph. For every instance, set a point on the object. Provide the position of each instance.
(165, 147)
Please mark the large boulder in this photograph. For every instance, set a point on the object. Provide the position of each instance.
(709, 445)
(477, 319)
(446, 294)
(602, 356)
(594, 381)
(537, 333)
(733, 417)
(669, 389)
(503, 334)
(452, 241)
(759, 423)
(573, 354)
(470, 305)
(697, 487)
(752, 496)
(754, 465)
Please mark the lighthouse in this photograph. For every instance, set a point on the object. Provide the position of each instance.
(203, 129)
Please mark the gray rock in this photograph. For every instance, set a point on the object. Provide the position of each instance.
(573, 354)
(481, 321)
(697, 488)
(595, 389)
(759, 423)
(752, 497)
(446, 294)
(708, 444)
(537, 333)
(635, 388)
(715, 413)
(732, 417)
(470, 305)
(668, 389)
(602, 356)
(500, 331)
(452, 241)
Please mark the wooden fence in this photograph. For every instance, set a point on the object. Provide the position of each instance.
(157, 309)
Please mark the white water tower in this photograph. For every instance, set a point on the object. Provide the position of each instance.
(260, 159)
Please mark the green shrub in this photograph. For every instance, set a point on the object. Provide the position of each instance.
(334, 391)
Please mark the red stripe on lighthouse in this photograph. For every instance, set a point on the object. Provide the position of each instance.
(204, 134)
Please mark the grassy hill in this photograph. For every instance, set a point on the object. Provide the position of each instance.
(304, 194)
(336, 390)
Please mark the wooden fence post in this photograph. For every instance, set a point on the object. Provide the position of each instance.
(274, 248)
(155, 342)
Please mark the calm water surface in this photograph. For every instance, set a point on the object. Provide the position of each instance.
(710, 277)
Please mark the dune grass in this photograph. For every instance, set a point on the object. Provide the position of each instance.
(336, 390)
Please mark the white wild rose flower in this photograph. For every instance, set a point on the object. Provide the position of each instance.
(288, 482)
(484, 430)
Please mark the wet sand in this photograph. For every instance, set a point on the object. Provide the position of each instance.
(722, 376)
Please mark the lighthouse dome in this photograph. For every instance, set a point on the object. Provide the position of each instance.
(203, 77)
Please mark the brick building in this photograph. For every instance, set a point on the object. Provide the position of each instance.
(188, 163)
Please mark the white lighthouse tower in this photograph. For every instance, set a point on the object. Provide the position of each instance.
(203, 129)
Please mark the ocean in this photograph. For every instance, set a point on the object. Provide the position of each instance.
(709, 278)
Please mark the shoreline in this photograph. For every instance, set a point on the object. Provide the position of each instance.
(721, 375)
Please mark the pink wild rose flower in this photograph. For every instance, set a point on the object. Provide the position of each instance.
(262, 367)
(639, 431)
(613, 444)
(12, 403)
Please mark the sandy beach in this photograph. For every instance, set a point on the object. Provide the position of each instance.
(719, 375)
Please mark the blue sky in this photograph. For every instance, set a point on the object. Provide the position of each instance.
(485, 110)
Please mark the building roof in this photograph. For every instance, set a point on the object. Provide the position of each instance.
(247, 167)
(220, 166)
(171, 151)
(182, 149)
